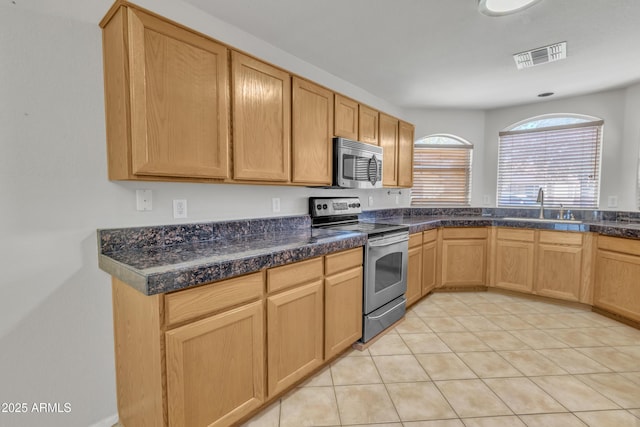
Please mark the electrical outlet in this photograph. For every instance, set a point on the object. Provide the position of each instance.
(180, 208)
(370, 200)
(486, 200)
(397, 199)
(612, 202)
(144, 200)
(275, 204)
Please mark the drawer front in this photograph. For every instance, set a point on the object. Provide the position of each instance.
(429, 236)
(294, 274)
(519, 235)
(415, 240)
(561, 238)
(341, 261)
(192, 303)
(464, 233)
(617, 244)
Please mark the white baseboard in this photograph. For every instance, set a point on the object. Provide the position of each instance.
(106, 422)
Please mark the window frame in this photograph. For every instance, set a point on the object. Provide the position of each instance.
(517, 129)
(458, 143)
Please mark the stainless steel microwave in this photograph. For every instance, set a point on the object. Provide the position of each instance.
(356, 164)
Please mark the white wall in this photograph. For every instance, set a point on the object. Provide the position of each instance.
(56, 340)
(619, 147)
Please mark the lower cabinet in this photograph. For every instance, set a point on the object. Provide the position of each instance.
(616, 287)
(464, 255)
(429, 258)
(295, 335)
(559, 272)
(414, 273)
(514, 259)
(212, 354)
(342, 301)
(215, 368)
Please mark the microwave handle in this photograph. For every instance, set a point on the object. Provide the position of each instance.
(373, 179)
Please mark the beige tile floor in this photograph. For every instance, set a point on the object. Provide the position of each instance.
(478, 359)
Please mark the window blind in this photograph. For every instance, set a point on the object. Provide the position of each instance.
(441, 175)
(563, 160)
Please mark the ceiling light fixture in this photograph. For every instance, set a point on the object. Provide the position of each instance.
(504, 7)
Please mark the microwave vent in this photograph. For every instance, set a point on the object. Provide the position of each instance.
(541, 55)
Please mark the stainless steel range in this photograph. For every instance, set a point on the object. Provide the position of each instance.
(385, 261)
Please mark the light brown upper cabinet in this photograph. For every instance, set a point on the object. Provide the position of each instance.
(167, 99)
(405, 154)
(368, 124)
(346, 117)
(311, 133)
(261, 106)
(389, 142)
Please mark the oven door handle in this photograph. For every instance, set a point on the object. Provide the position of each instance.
(387, 241)
(388, 311)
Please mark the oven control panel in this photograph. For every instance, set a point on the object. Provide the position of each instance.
(331, 206)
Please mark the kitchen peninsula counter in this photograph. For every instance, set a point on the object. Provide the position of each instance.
(161, 259)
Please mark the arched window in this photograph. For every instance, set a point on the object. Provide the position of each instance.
(441, 171)
(559, 153)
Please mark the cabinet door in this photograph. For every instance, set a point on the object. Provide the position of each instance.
(389, 142)
(405, 155)
(616, 284)
(342, 311)
(346, 117)
(261, 104)
(514, 265)
(367, 125)
(559, 271)
(312, 130)
(428, 267)
(294, 331)
(463, 262)
(179, 101)
(215, 368)
(414, 275)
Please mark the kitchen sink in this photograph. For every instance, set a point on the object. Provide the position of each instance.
(549, 220)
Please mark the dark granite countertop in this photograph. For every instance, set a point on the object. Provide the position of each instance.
(163, 269)
(162, 259)
(418, 224)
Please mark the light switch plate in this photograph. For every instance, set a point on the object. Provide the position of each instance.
(144, 200)
(370, 200)
(612, 202)
(275, 204)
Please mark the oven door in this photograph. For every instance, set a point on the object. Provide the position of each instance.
(385, 276)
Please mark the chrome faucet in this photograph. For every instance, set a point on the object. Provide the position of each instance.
(540, 200)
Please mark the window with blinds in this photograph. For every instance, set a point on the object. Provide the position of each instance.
(563, 159)
(441, 171)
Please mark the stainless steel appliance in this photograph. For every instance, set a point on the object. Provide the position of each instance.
(356, 164)
(385, 260)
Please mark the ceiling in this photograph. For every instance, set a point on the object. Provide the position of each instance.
(444, 53)
(432, 53)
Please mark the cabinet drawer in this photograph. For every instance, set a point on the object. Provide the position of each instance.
(429, 236)
(341, 261)
(464, 233)
(512, 234)
(561, 238)
(415, 240)
(192, 303)
(294, 274)
(616, 244)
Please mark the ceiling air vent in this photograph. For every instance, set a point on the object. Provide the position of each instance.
(541, 55)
